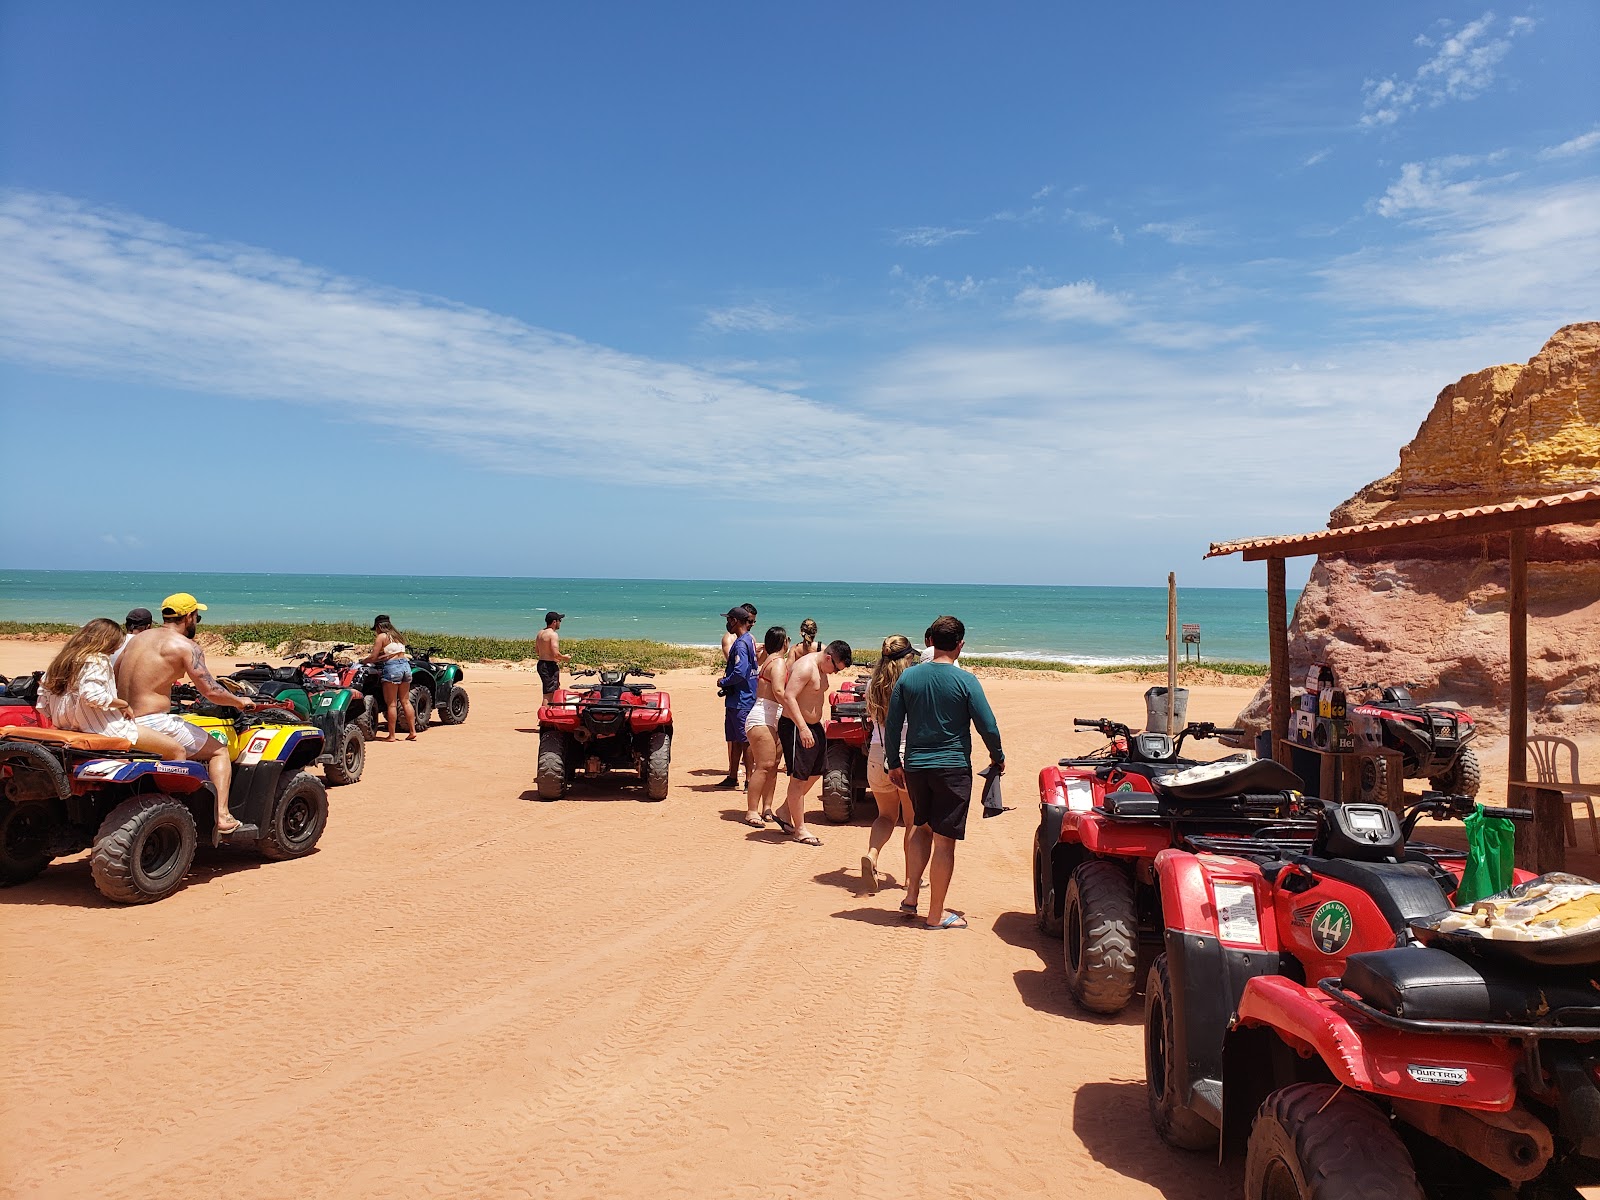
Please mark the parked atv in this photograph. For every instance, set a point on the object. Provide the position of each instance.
(616, 725)
(19, 698)
(1092, 882)
(1431, 738)
(142, 817)
(844, 777)
(312, 694)
(1319, 1003)
(446, 696)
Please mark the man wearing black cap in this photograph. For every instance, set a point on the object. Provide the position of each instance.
(550, 656)
(137, 621)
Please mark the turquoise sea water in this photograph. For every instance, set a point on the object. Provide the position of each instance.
(1074, 624)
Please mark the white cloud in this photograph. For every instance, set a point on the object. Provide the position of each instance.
(1178, 233)
(1495, 246)
(925, 291)
(1312, 160)
(1573, 147)
(929, 235)
(1463, 65)
(756, 317)
(1081, 301)
(97, 292)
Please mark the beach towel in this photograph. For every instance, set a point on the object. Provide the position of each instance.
(992, 807)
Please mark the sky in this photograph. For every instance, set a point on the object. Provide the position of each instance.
(1025, 293)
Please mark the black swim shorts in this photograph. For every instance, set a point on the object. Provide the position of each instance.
(940, 798)
(549, 675)
(798, 761)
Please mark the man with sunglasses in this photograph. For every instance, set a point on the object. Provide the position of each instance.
(148, 667)
(805, 746)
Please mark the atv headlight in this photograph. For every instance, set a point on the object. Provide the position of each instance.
(1237, 920)
(1080, 795)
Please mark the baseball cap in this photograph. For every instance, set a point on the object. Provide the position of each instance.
(180, 604)
(738, 613)
(138, 616)
(552, 615)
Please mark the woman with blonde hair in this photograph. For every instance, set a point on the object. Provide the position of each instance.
(78, 691)
(893, 803)
(761, 727)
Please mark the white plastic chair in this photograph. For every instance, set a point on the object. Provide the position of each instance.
(1544, 751)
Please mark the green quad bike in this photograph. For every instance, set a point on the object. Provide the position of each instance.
(446, 699)
(305, 692)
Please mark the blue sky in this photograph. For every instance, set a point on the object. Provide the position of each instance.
(1030, 293)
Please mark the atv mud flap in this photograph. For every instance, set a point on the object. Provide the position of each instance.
(254, 789)
(1207, 980)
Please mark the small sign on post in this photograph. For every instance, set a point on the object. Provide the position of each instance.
(1191, 637)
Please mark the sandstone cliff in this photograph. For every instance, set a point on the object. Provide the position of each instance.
(1437, 618)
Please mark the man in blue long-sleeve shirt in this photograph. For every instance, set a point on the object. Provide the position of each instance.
(738, 687)
(938, 704)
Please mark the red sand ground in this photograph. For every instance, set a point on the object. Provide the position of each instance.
(467, 992)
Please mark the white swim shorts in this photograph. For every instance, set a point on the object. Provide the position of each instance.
(192, 738)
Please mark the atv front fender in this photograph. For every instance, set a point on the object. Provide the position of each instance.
(1380, 1061)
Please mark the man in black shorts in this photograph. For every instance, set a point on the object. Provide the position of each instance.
(938, 703)
(805, 746)
(548, 644)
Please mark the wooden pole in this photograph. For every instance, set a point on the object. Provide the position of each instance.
(1278, 656)
(1548, 851)
(1172, 652)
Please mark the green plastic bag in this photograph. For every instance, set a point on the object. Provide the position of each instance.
(1491, 846)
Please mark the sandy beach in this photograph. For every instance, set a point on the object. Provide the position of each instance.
(467, 992)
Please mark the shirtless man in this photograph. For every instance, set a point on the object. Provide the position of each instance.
(150, 663)
(548, 644)
(805, 747)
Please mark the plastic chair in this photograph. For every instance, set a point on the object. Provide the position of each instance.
(1544, 751)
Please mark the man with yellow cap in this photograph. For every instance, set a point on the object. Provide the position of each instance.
(150, 664)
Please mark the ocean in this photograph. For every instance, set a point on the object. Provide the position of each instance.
(1087, 625)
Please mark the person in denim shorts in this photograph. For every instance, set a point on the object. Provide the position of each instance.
(389, 652)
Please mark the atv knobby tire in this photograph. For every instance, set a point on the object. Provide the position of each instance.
(1313, 1141)
(657, 764)
(1374, 779)
(1178, 1124)
(299, 815)
(25, 836)
(552, 764)
(454, 710)
(143, 850)
(1044, 891)
(421, 705)
(1464, 777)
(367, 719)
(349, 757)
(838, 800)
(1100, 937)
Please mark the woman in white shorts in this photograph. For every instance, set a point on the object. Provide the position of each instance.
(894, 803)
(761, 727)
(79, 693)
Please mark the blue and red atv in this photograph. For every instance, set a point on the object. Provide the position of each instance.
(1092, 882)
(1326, 1009)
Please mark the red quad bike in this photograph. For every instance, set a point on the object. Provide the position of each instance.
(844, 776)
(18, 698)
(615, 725)
(1431, 738)
(1309, 1009)
(1093, 885)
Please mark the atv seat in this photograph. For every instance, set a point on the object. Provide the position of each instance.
(1404, 892)
(850, 708)
(1423, 984)
(92, 743)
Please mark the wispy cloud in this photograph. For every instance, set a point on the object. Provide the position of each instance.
(1463, 64)
(1312, 160)
(755, 317)
(925, 291)
(1081, 301)
(1573, 147)
(1179, 233)
(929, 235)
(98, 292)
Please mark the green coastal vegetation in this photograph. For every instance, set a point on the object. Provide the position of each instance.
(284, 637)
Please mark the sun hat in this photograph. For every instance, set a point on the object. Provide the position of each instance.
(180, 604)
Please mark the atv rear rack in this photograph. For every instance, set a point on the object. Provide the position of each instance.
(1572, 1033)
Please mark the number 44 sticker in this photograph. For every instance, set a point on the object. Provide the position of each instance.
(1331, 927)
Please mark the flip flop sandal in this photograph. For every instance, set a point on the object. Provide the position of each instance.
(783, 824)
(754, 821)
(907, 909)
(810, 839)
(869, 875)
(951, 921)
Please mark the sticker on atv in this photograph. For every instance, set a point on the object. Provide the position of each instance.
(1448, 1076)
(257, 747)
(1331, 927)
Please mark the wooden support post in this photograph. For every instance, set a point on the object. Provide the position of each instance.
(1172, 651)
(1517, 767)
(1278, 655)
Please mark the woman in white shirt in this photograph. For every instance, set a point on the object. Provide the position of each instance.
(893, 803)
(389, 653)
(78, 691)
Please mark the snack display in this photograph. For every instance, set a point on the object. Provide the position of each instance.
(1551, 907)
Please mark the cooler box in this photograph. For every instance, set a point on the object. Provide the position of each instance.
(1155, 704)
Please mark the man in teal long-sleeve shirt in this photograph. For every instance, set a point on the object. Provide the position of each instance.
(938, 704)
